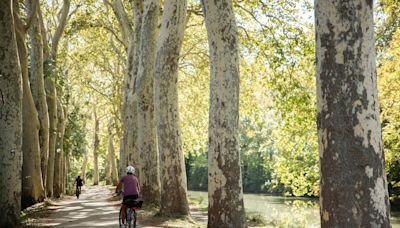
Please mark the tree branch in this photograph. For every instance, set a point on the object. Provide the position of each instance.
(123, 20)
(60, 28)
(32, 14)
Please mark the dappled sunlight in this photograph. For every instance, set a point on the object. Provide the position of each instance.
(91, 210)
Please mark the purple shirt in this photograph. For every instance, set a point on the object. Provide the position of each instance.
(130, 185)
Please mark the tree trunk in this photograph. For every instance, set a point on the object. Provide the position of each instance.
(225, 192)
(173, 175)
(114, 171)
(10, 121)
(32, 185)
(95, 150)
(59, 155)
(111, 177)
(147, 141)
(108, 166)
(63, 165)
(114, 175)
(65, 172)
(51, 98)
(84, 165)
(129, 150)
(38, 91)
(353, 182)
(133, 63)
(51, 95)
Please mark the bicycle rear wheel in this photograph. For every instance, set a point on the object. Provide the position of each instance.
(134, 218)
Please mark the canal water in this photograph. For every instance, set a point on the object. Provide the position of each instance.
(278, 211)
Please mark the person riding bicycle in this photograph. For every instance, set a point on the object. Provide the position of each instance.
(79, 183)
(131, 188)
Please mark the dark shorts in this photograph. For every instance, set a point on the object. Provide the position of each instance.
(131, 201)
(130, 197)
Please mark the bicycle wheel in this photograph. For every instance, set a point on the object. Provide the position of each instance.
(129, 217)
(77, 193)
(134, 218)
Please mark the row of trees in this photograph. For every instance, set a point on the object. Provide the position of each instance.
(151, 54)
(104, 54)
(150, 112)
(38, 135)
(42, 133)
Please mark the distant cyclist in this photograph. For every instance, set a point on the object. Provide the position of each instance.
(131, 188)
(79, 183)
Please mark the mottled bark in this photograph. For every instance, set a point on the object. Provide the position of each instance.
(38, 90)
(129, 151)
(173, 175)
(32, 185)
(147, 141)
(133, 63)
(10, 121)
(59, 155)
(51, 98)
(96, 144)
(353, 181)
(225, 192)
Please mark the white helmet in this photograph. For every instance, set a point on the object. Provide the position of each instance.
(130, 169)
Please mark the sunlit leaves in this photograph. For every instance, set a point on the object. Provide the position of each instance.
(389, 97)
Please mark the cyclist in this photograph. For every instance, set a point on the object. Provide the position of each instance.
(131, 188)
(79, 183)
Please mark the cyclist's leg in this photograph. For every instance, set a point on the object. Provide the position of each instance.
(123, 213)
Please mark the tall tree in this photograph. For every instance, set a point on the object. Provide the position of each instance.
(132, 71)
(225, 193)
(147, 141)
(50, 61)
(353, 182)
(173, 175)
(38, 89)
(130, 37)
(10, 120)
(96, 144)
(32, 184)
(59, 156)
(51, 98)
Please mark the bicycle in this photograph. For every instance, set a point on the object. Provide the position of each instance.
(132, 206)
(78, 191)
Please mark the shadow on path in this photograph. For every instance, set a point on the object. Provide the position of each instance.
(92, 209)
(98, 207)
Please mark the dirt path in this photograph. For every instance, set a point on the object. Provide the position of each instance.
(97, 207)
(92, 209)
